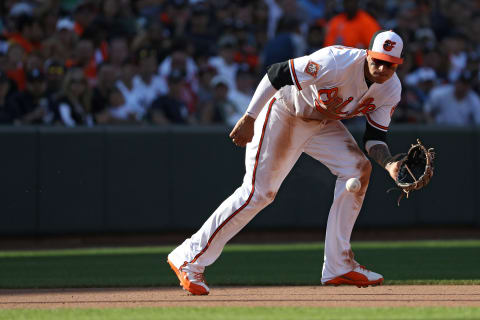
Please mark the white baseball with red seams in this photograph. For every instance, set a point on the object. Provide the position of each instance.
(353, 185)
(329, 85)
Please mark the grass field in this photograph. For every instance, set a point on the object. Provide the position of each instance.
(258, 313)
(421, 262)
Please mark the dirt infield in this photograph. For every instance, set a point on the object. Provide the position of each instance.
(308, 296)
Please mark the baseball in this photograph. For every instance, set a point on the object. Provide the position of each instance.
(353, 185)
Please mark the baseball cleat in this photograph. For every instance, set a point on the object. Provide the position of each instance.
(360, 277)
(193, 282)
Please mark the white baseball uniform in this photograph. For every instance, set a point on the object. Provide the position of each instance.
(328, 85)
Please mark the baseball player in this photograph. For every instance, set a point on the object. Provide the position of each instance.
(297, 107)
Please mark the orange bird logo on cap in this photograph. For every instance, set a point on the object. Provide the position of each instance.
(388, 45)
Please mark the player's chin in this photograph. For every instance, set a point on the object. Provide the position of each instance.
(381, 79)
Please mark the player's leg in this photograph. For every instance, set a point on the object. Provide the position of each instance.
(269, 157)
(335, 147)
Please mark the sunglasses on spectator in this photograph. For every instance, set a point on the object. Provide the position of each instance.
(55, 71)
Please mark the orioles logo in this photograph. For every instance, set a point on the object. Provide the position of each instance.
(312, 68)
(388, 45)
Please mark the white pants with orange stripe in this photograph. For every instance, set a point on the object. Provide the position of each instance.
(279, 140)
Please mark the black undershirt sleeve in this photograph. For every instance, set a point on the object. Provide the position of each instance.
(372, 133)
(279, 75)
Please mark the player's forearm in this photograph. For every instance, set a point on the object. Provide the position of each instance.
(262, 95)
(380, 153)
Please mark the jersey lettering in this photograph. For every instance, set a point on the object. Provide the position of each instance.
(332, 104)
(364, 107)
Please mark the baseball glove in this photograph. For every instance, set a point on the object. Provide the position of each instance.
(416, 169)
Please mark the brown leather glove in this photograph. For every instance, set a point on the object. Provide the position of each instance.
(416, 169)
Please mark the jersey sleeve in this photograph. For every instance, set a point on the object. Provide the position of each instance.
(376, 126)
(320, 66)
(381, 117)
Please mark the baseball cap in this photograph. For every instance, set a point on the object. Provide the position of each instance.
(387, 46)
(65, 23)
(219, 80)
(21, 8)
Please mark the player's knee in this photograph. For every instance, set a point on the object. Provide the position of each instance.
(263, 199)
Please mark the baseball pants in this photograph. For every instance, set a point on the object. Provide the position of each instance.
(279, 140)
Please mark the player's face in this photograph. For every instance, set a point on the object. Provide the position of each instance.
(380, 71)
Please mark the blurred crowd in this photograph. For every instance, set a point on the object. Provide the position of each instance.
(90, 62)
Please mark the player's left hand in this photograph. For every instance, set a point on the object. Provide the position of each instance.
(242, 133)
(393, 166)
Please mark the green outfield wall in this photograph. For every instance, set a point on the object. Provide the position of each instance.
(147, 179)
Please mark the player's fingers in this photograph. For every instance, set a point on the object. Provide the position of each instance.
(239, 142)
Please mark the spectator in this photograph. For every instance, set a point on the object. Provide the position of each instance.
(118, 51)
(116, 107)
(224, 63)
(61, 45)
(83, 15)
(418, 86)
(352, 28)
(55, 73)
(200, 32)
(286, 43)
(454, 104)
(147, 84)
(114, 18)
(6, 114)
(243, 93)
(170, 108)
(205, 94)
(315, 37)
(222, 110)
(32, 106)
(439, 35)
(107, 78)
(156, 36)
(314, 8)
(29, 33)
(132, 97)
(177, 17)
(15, 70)
(74, 106)
(84, 58)
(179, 59)
(455, 48)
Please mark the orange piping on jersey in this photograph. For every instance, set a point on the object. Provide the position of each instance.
(251, 192)
(373, 123)
(292, 66)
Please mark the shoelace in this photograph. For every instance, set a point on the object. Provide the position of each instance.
(199, 276)
(363, 267)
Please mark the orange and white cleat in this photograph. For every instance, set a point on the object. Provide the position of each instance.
(193, 282)
(360, 277)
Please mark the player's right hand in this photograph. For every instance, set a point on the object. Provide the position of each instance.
(243, 131)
